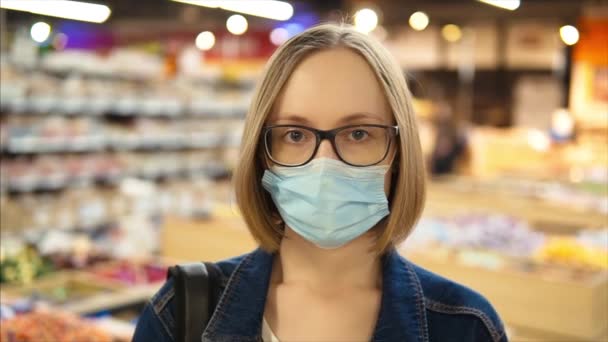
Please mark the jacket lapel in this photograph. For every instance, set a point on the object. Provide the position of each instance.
(402, 312)
(240, 310)
(239, 313)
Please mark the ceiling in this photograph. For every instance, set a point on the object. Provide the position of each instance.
(164, 13)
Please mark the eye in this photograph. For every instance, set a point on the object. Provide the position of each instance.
(294, 136)
(358, 134)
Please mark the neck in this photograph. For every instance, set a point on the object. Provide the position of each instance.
(352, 265)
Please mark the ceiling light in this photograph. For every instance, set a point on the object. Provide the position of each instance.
(366, 20)
(40, 32)
(74, 10)
(569, 34)
(510, 5)
(205, 40)
(236, 24)
(277, 10)
(451, 33)
(419, 21)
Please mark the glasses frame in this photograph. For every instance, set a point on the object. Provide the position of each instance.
(330, 135)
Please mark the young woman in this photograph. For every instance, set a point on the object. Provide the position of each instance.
(331, 178)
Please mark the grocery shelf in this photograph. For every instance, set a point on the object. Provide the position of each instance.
(559, 213)
(54, 183)
(92, 108)
(99, 143)
(132, 295)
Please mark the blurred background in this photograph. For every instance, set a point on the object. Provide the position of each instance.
(120, 123)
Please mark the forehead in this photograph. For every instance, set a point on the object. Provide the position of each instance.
(330, 85)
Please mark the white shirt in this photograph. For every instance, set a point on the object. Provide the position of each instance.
(267, 334)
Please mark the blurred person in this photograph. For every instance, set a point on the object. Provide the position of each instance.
(450, 141)
(330, 179)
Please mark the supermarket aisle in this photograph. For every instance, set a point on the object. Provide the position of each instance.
(119, 137)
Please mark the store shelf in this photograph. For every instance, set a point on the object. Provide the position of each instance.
(137, 109)
(448, 197)
(102, 295)
(60, 183)
(104, 302)
(37, 145)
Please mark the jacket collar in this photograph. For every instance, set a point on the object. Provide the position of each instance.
(240, 310)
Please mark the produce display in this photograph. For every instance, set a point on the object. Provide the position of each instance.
(572, 252)
(507, 235)
(56, 172)
(132, 273)
(590, 192)
(51, 326)
(91, 207)
(24, 267)
(63, 291)
(491, 238)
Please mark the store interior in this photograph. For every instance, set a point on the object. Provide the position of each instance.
(120, 125)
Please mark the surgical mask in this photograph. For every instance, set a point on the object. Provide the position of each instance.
(328, 202)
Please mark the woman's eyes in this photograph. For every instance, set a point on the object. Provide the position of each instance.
(295, 136)
(299, 136)
(358, 134)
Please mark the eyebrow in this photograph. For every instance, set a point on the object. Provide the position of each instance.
(345, 120)
(293, 117)
(360, 116)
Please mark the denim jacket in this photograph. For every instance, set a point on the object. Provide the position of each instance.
(416, 305)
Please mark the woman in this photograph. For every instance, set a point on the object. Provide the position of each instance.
(330, 179)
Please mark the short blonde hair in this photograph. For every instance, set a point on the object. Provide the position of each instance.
(408, 194)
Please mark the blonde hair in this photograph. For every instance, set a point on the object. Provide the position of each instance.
(408, 194)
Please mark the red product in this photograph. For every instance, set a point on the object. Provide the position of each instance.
(50, 327)
(131, 273)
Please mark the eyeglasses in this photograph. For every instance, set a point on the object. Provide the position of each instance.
(356, 145)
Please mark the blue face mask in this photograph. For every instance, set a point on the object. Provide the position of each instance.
(328, 202)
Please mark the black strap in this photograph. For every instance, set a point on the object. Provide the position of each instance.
(197, 290)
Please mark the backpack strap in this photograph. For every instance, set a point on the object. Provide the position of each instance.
(197, 290)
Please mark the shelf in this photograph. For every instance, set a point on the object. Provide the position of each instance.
(132, 295)
(104, 294)
(125, 107)
(232, 113)
(447, 197)
(99, 143)
(60, 183)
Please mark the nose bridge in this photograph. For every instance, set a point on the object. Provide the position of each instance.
(326, 150)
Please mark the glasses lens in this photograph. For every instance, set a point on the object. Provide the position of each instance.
(290, 145)
(362, 145)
